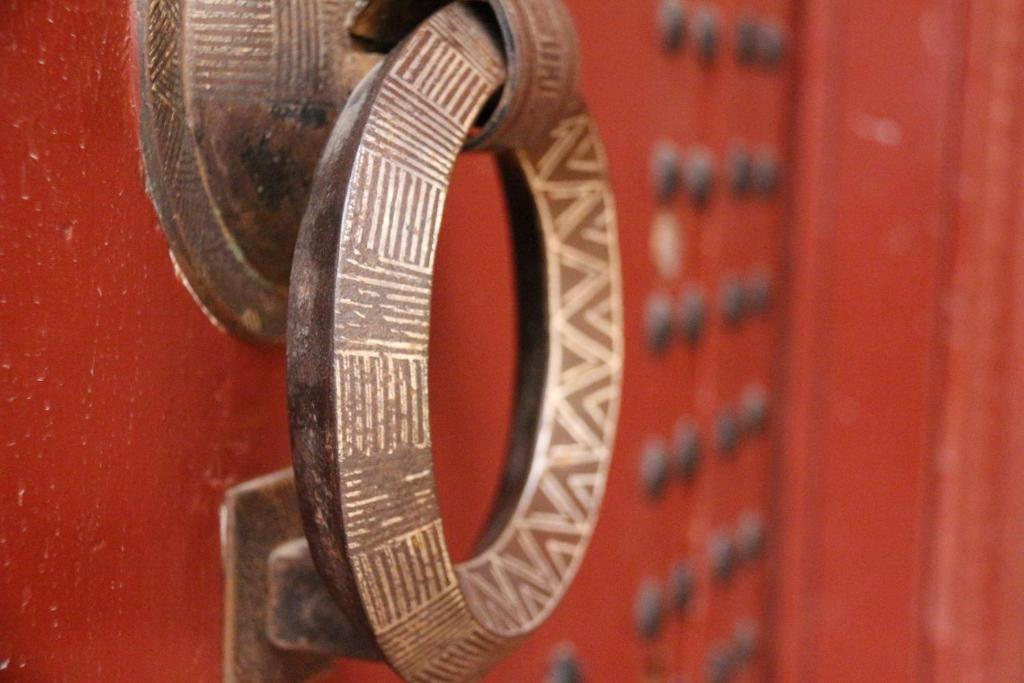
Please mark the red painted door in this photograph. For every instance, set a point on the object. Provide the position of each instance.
(853, 510)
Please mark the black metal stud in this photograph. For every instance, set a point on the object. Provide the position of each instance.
(659, 322)
(692, 315)
(672, 25)
(722, 556)
(654, 468)
(759, 292)
(727, 432)
(733, 301)
(765, 174)
(745, 641)
(755, 409)
(719, 664)
(666, 171)
(706, 34)
(699, 175)
(771, 44)
(686, 448)
(648, 610)
(750, 535)
(565, 666)
(741, 170)
(746, 40)
(681, 584)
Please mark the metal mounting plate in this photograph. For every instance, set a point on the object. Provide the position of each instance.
(280, 623)
(257, 517)
(238, 98)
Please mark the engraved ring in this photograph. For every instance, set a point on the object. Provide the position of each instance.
(357, 360)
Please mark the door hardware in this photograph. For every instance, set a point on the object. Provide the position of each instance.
(238, 99)
(357, 356)
(235, 120)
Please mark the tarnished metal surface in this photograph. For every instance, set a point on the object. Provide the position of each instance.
(385, 22)
(257, 517)
(238, 99)
(358, 333)
(543, 72)
(541, 52)
(301, 614)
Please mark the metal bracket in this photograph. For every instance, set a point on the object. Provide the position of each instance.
(301, 614)
(281, 624)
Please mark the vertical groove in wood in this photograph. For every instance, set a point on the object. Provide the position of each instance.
(977, 568)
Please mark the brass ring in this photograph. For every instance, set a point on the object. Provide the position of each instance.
(357, 360)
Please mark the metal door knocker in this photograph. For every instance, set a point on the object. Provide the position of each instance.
(357, 352)
(357, 333)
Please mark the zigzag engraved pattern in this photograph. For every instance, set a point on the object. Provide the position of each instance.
(435, 621)
(517, 582)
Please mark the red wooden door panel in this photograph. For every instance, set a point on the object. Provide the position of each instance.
(870, 242)
(898, 487)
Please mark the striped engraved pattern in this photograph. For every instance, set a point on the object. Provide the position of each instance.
(516, 583)
(260, 50)
(424, 107)
(543, 73)
(386, 292)
(232, 47)
(181, 184)
(390, 414)
(403, 574)
(435, 621)
(298, 53)
(555, 62)
(443, 644)
(163, 64)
